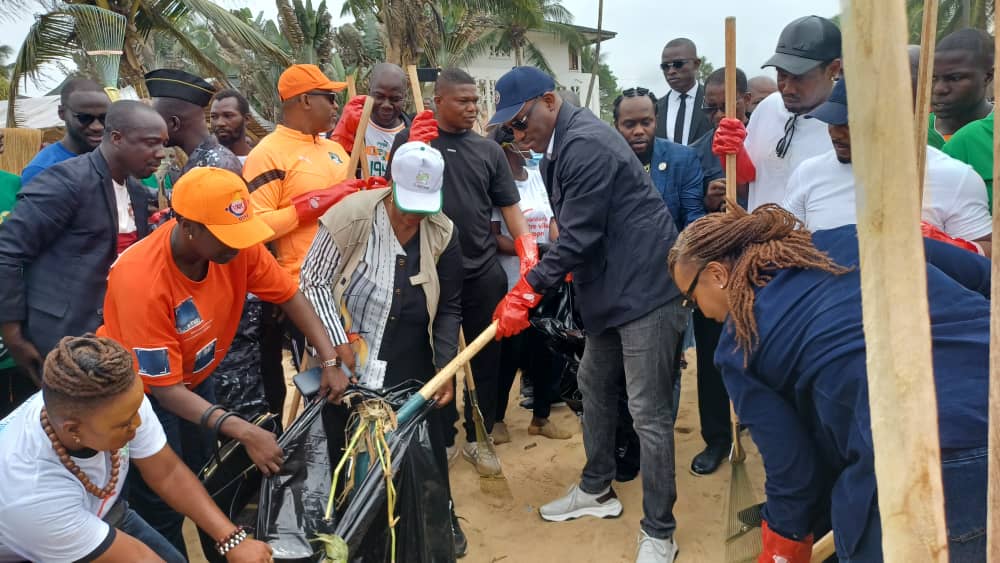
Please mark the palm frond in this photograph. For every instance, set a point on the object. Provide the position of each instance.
(50, 39)
(237, 29)
(535, 56)
(191, 50)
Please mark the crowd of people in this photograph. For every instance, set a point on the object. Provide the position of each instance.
(140, 298)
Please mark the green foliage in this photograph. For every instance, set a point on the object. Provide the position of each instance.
(609, 88)
(522, 16)
(705, 69)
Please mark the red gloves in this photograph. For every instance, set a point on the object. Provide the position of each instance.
(527, 251)
(375, 182)
(511, 314)
(347, 126)
(312, 205)
(728, 139)
(779, 548)
(932, 232)
(424, 127)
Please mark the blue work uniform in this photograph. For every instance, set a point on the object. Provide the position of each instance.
(804, 392)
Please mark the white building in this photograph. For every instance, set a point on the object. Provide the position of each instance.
(563, 60)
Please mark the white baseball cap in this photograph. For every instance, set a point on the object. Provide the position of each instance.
(417, 177)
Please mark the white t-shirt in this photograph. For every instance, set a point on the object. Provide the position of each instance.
(45, 513)
(822, 194)
(126, 217)
(378, 142)
(767, 127)
(537, 212)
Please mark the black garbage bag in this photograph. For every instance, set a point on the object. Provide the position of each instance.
(557, 319)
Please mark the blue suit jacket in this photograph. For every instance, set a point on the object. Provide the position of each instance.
(57, 246)
(676, 173)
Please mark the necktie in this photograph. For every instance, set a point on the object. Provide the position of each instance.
(679, 120)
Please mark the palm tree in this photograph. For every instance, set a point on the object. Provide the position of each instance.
(522, 16)
(952, 16)
(6, 52)
(464, 37)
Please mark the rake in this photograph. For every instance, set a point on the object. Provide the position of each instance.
(102, 35)
(495, 485)
(743, 543)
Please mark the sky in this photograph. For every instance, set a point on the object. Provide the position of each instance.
(643, 27)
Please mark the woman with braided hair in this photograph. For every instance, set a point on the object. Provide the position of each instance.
(792, 356)
(66, 452)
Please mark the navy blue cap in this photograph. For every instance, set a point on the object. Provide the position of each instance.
(517, 86)
(834, 110)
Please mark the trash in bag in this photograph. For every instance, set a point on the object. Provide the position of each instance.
(557, 319)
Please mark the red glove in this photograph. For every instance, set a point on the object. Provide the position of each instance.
(779, 548)
(424, 127)
(347, 126)
(728, 139)
(934, 233)
(527, 252)
(511, 314)
(375, 182)
(312, 205)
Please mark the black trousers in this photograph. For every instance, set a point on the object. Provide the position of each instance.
(529, 353)
(713, 400)
(275, 328)
(15, 388)
(480, 297)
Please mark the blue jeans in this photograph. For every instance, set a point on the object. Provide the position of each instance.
(964, 477)
(644, 350)
(133, 525)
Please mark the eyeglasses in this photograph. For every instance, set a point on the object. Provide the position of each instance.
(712, 110)
(689, 301)
(330, 96)
(676, 63)
(522, 124)
(635, 92)
(785, 142)
(86, 119)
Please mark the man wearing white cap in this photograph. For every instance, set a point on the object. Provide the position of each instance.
(401, 312)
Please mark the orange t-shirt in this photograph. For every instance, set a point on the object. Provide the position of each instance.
(179, 329)
(284, 165)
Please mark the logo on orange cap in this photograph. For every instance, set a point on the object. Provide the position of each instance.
(238, 207)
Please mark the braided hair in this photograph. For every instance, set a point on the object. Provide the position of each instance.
(754, 245)
(85, 370)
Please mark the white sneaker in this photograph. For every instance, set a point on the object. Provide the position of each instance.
(577, 503)
(485, 461)
(452, 454)
(652, 550)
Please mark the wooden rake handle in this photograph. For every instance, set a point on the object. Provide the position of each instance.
(823, 549)
(462, 358)
(358, 151)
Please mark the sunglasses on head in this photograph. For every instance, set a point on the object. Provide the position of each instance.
(522, 124)
(86, 119)
(676, 63)
(637, 92)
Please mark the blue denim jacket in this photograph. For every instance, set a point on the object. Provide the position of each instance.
(676, 173)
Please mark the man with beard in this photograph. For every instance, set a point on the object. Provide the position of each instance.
(57, 245)
(83, 105)
(714, 107)
(229, 115)
(963, 72)
(388, 92)
(678, 117)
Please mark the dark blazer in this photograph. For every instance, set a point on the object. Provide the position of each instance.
(614, 229)
(57, 246)
(699, 121)
(677, 175)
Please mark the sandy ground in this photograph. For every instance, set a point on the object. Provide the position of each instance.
(539, 470)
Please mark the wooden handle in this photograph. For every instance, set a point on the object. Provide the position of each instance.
(730, 101)
(993, 487)
(418, 98)
(923, 101)
(359, 142)
(823, 549)
(352, 85)
(463, 357)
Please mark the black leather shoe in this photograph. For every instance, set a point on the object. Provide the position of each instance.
(461, 543)
(709, 459)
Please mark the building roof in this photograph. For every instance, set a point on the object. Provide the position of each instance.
(591, 34)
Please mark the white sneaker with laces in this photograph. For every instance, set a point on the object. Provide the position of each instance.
(577, 503)
(652, 550)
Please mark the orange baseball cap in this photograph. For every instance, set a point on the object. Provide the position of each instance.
(220, 200)
(299, 79)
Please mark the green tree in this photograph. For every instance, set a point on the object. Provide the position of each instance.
(609, 88)
(522, 16)
(6, 52)
(705, 69)
(952, 16)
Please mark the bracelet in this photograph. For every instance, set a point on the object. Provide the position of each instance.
(334, 363)
(208, 413)
(230, 542)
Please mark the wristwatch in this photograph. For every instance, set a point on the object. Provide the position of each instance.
(334, 363)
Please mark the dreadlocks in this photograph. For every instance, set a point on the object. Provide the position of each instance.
(754, 245)
(86, 369)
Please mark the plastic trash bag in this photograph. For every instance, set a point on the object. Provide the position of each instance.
(557, 319)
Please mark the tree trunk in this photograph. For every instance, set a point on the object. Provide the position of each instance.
(518, 55)
(597, 54)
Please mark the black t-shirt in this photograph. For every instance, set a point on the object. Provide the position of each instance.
(477, 178)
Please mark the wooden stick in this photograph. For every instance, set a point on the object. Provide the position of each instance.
(928, 40)
(358, 151)
(992, 514)
(463, 357)
(896, 319)
(731, 101)
(418, 98)
(823, 549)
(352, 85)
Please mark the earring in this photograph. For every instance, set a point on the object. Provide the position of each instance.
(76, 439)
(190, 237)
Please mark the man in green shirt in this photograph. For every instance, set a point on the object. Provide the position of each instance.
(15, 386)
(973, 145)
(963, 69)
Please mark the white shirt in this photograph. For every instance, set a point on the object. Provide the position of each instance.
(45, 513)
(537, 213)
(822, 195)
(673, 107)
(767, 127)
(378, 142)
(126, 217)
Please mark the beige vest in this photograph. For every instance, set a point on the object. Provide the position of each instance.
(350, 224)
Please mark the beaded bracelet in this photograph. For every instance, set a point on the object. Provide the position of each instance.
(230, 542)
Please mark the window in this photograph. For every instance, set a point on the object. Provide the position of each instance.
(574, 59)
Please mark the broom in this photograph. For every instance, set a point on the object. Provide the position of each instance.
(20, 146)
(494, 485)
(102, 35)
(743, 543)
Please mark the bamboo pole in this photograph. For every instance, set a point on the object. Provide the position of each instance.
(358, 151)
(730, 102)
(418, 98)
(352, 85)
(921, 109)
(992, 515)
(893, 286)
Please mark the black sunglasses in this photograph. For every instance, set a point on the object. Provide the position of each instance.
(635, 92)
(331, 96)
(712, 110)
(522, 124)
(676, 63)
(689, 301)
(785, 142)
(86, 119)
